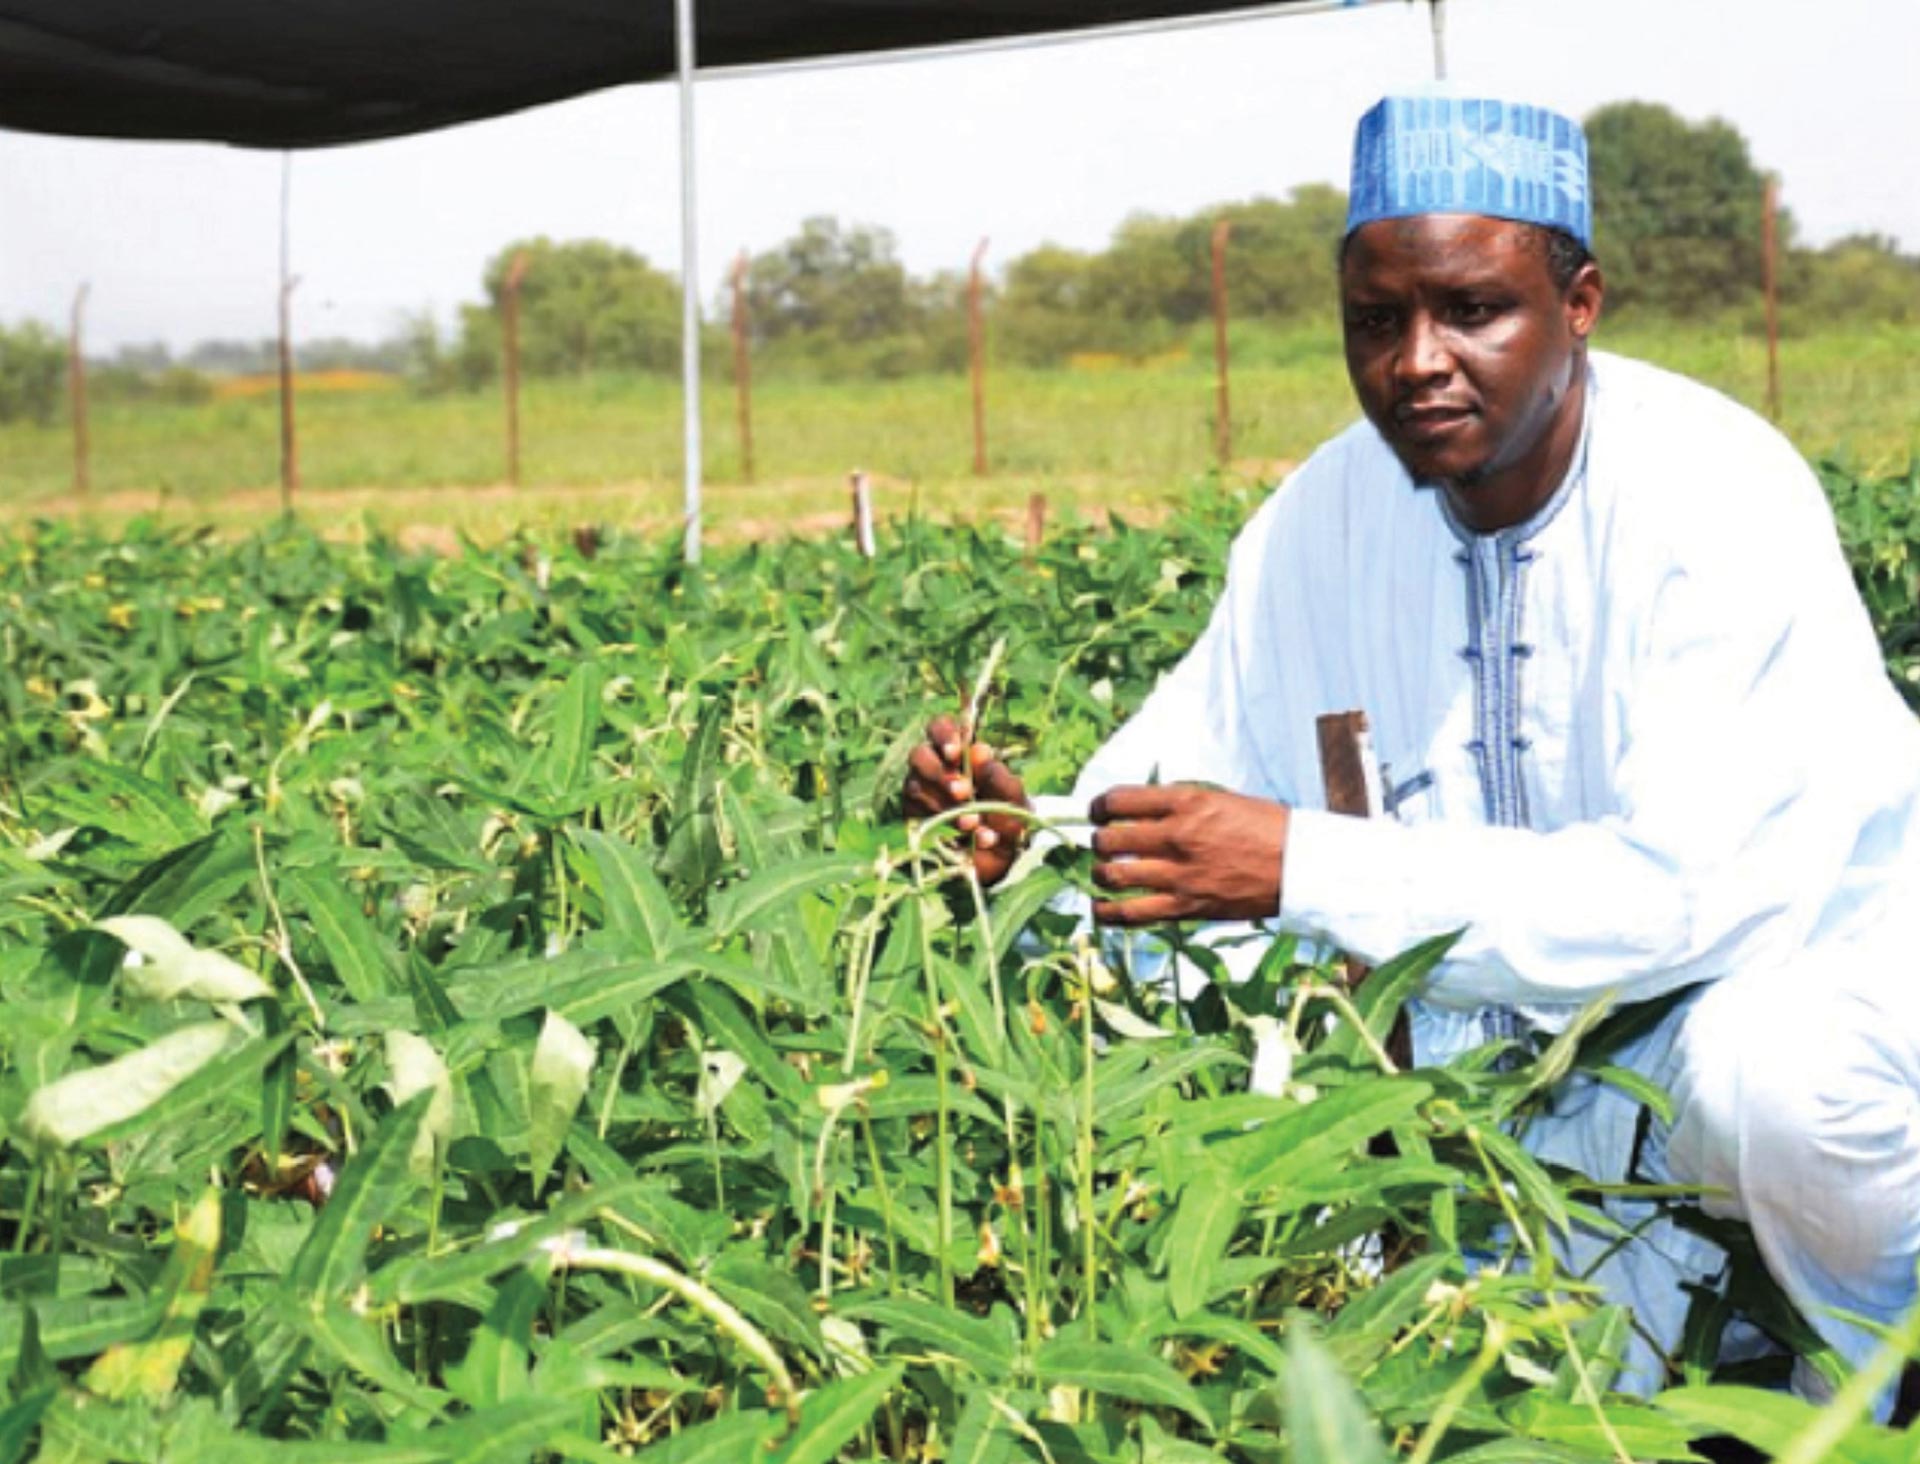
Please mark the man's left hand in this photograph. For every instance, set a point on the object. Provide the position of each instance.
(1182, 852)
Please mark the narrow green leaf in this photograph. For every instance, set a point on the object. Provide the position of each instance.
(499, 1358)
(18, 1420)
(137, 809)
(1326, 1419)
(1320, 1138)
(732, 1438)
(1204, 1224)
(1118, 1371)
(509, 1244)
(980, 1436)
(353, 946)
(1638, 1087)
(984, 1344)
(770, 1296)
(576, 720)
(185, 883)
(355, 1342)
(1161, 1068)
(634, 901)
(1539, 1192)
(831, 1417)
(1766, 1420)
(277, 1087)
(373, 1183)
(775, 890)
(1387, 988)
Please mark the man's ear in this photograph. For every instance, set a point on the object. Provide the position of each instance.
(1585, 296)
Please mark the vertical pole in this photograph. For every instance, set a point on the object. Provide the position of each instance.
(1036, 523)
(1223, 407)
(977, 360)
(742, 368)
(689, 285)
(1438, 15)
(862, 494)
(1770, 283)
(510, 351)
(289, 439)
(77, 394)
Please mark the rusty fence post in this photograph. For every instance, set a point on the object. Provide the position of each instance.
(1222, 406)
(77, 394)
(289, 438)
(977, 361)
(1770, 285)
(862, 495)
(742, 367)
(289, 435)
(1036, 523)
(510, 352)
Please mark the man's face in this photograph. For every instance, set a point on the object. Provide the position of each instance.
(1463, 353)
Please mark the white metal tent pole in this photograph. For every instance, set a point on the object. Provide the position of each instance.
(689, 283)
(1439, 16)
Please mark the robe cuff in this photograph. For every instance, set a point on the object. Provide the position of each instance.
(1337, 877)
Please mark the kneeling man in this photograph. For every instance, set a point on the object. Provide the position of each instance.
(1637, 734)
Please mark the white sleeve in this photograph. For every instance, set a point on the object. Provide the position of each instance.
(1756, 719)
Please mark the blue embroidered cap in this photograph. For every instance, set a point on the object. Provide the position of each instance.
(1437, 152)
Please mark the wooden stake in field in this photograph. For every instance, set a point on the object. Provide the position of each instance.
(1350, 776)
(742, 367)
(862, 494)
(977, 359)
(1222, 409)
(1770, 284)
(77, 393)
(289, 439)
(510, 350)
(1036, 523)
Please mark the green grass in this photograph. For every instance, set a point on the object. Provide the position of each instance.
(1092, 439)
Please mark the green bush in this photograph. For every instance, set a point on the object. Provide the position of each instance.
(32, 363)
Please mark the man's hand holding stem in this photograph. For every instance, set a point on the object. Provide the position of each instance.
(1176, 852)
(1185, 852)
(949, 770)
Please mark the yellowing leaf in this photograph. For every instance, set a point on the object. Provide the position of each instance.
(149, 1369)
(80, 1104)
(562, 1065)
(170, 968)
(417, 1068)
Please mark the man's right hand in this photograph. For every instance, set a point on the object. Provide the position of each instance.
(948, 770)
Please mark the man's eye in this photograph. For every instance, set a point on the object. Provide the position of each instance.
(1373, 320)
(1475, 312)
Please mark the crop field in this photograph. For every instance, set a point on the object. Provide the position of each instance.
(486, 1008)
(607, 448)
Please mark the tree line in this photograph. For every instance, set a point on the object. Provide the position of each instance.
(1677, 209)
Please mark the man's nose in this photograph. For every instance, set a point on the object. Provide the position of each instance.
(1423, 351)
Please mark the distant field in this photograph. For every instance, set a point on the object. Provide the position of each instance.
(607, 448)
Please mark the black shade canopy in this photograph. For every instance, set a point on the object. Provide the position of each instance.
(305, 73)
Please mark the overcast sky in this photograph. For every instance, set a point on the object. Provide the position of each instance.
(180, 241)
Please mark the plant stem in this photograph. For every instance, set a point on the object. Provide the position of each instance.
(1344, 1005)
(937, 1027)
(1087, 1223)
(27, 1206)
(284, 948)
(700, 1298)
(886, 1206)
